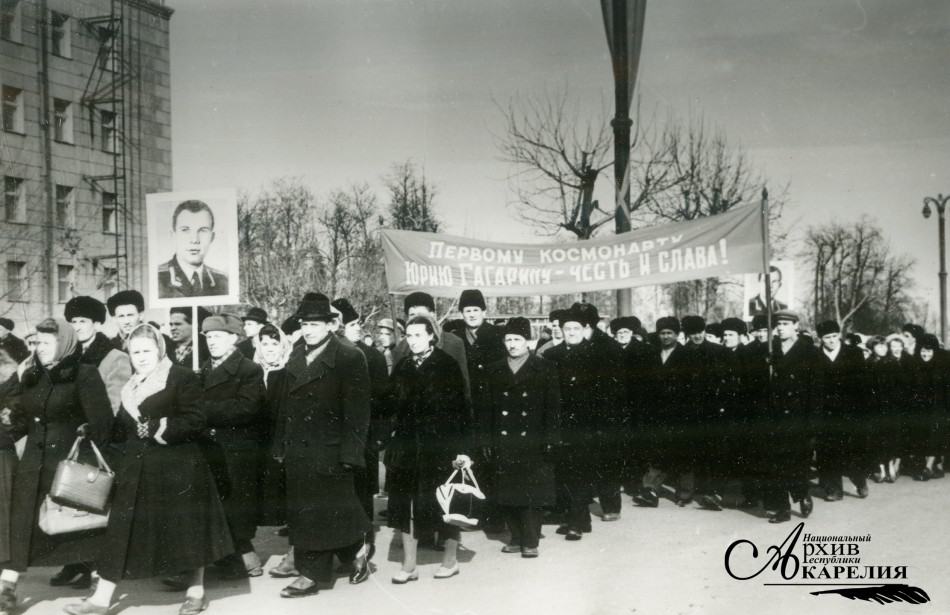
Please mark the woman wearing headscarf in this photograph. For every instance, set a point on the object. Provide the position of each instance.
(926, 432)
(56, 397)
(8, 456)
(166, 515)
(430, 431)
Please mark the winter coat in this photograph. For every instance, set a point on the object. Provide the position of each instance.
(114, 366)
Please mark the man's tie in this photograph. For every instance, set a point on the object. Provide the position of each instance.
(195, 281)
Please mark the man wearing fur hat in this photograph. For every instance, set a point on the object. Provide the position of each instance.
(841, 444)
(14, 346)
(520, 401)
(86, 314)
(126, 307)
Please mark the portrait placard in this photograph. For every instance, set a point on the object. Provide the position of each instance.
(782, 278)
(192, 248)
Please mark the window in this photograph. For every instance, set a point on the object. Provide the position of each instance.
(62, 120)
(64, 282)
(17, 282)
(62, 37)
(64, 206)
(109, 131)
(12, 109)
(110, 281)
(14, 199)
(108, 55)
(108, 212)
(10, 20)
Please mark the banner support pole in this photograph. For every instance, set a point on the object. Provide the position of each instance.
(195, 359)
(766, 272)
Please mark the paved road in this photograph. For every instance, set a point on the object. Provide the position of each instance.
(652, 561)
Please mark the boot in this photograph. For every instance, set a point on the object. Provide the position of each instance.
(7, 597)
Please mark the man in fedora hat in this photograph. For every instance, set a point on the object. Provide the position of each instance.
(321, 434)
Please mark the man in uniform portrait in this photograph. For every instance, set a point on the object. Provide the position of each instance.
(186, 274)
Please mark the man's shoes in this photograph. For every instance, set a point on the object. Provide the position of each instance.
(610, 516)
(178, 582)
(445, 573)
(402, 577)
(285, 569)
(300, 588)
(529, 552)
(361, 569)
(807, 505)
(512, 548)
(647, 497)
(562, 530)
(834, 496)
(710, 502)
(75, 575)
(193, 606)
(938, 472)
(573, 535)
(781, 517)
(863, 492)
(85, 608)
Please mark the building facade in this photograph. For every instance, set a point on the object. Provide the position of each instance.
(86, 135)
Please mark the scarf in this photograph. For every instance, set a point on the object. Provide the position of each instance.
(515, 364)
(183, 351)
(419, 359)
(66, 341)
(142, 386)
(312, 352)
(270, 366)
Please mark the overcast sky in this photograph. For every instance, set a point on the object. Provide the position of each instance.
(848, 100)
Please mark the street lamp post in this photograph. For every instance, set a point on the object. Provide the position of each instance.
(940, 202)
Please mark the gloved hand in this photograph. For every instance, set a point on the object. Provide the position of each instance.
(82, 431)
(462, 462)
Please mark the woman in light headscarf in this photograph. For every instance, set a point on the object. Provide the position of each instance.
(56, 397)
(272, 351)
(166, 514)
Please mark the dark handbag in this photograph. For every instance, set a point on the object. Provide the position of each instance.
(82, 486)
(461, 502)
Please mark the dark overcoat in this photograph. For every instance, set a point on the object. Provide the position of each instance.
(52, 404)
(794, 402)
(842, 384)
(886, 402)
(488, 347)
(926, 423)
(522, 410)
(166, 516)
(666, 417)
(272, 487)
(714, 415)
(232, 401)
(431, 426)
(324, 417)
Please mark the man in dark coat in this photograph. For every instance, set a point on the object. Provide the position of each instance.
(321, 433)
(520, 400)
(180, 329)
(637, 357)
(253, 321)
(714, 379)
(792, 404)
(14, 346)
(126, 307)
(841, 443)
(85, 314)
(484, 345)
(662, 425)
(232, 402)
(367, 478)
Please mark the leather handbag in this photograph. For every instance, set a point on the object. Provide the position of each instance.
(83, 486)
(58, 519)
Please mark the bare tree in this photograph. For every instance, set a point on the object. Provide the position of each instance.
(856, 279)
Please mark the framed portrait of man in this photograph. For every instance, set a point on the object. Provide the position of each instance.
(782, 280)
(192, 248)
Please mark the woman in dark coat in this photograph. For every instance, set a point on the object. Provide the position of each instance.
(8, 456)
(166, 515)
(521, 401)
(927, 425)
(886, 397)
(56, 396)
(232, 401)
(430, 427)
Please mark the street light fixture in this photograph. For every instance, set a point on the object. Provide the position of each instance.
(940, 202)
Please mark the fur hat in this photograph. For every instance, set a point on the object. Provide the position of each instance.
(345, 308)
(256, 314)
(625, 322)
(827, 328)
(589, 313)
(126, 297)
(693, 324)
(670, 323)
(471, 297)
(6, 323)
(734, 324)
(518, 326)
(417, 298)
(85, 307)
(760, 321)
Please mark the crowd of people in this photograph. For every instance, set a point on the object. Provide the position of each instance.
(287, 424)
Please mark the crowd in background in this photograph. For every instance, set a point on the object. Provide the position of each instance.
(287, 425)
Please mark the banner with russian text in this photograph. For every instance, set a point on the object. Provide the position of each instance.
(443, 265)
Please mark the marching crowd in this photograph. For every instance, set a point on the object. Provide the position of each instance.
(286, 425)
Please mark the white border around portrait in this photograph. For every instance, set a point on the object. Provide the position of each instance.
(222, 255)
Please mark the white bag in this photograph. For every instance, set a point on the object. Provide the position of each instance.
(460, 501)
